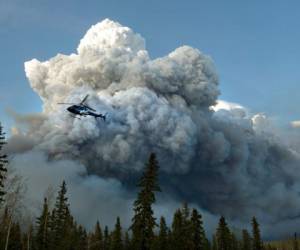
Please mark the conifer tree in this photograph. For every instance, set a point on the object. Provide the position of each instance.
(162, 239)
(60, 219)
(246, 240)
(234, 243)
(178, 242)
(43, 227)
(187, 227)
(295, 242)
(96, 239)
(223, 235)
(126, 241)
(107, 239)
(214, 245)
(3, 163)
(143, 222)
(82, 243)
(197, 231)
(257, 243)
(116, 237)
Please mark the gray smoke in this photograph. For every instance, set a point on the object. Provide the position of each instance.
(218, 157)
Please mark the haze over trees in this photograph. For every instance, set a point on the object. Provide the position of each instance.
(56, 229)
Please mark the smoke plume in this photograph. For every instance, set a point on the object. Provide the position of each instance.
(213, 154)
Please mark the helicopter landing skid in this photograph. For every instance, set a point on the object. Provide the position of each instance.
(74, 116)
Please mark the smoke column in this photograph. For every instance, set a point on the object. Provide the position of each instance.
(213, 154)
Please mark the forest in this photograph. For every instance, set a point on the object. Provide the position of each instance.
(56, 229)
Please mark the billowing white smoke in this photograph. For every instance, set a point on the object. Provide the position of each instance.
(218, 157)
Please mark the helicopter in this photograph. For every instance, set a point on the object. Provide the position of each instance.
(82, 109)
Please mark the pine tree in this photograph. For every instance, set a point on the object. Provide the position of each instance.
(3, 163)
(214, 243)
(96, 239)
(177, 240)
(257, 243)
(197, 232)
(223, 235)
(234, 243)
(246, 240)
(60, 220)
(295, 242)
(143, 222)
(116, 237)
(42, 235)
(82, 242)
(162, 239)
(186, 227)
(107, 239)
(127, 241)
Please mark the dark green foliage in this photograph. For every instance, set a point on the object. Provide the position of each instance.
(61, 224)
(198, 238)
(96, 239)
(162, 238)
(295, 242)
(107, 239)
(257, 242)
(246, 240)
(81, 238)
(234, 243)
(223, 235)
(126, 241)
(214, 245)
(3, 163)
(143, 222)
(177, 240)
(116, 237)
(43, 228)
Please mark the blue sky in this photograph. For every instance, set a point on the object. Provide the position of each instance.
(254, 44)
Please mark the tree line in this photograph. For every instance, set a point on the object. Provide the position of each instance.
(56, 229)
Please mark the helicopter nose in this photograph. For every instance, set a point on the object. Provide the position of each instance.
(69, 109)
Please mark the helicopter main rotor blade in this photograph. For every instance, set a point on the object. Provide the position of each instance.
(84, 99)
(89, 107)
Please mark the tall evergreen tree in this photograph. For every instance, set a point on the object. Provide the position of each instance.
(3, 164)
(116, 237)
(246, 240)
(257, 243)
(162, 239)
(81, 236)
(60, 220)
(234, 243)
(107, 239)
(214, 245)
(223, 235)
(96, 239)
(186, 227)
(127, 241)
(43, 227)
(197, 231)
(143, 222)
(177, 241)
(295, 242)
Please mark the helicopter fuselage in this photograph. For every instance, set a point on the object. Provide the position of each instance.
(83, 111)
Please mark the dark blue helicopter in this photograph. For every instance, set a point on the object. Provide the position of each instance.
(82, 109)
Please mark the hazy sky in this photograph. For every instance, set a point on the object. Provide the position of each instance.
(254, 44)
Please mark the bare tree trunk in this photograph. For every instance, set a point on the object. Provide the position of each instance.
(8, 233)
